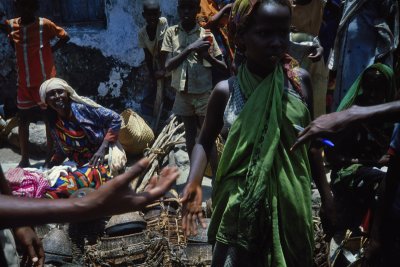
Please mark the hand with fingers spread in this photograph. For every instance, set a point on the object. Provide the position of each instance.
(192, 210)
(32, 246)
(116, 196)
(200, 45)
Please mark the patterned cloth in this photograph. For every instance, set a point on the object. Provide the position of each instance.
(84, 176)
(25, 183)
(97, 124)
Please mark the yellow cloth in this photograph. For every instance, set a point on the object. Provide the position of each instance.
(199, 76)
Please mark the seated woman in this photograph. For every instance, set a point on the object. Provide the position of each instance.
(358, 151)
(82, 130)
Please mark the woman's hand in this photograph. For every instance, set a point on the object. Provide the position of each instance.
(98, 157)
(192, 211)
(316, 54)
(33, 248)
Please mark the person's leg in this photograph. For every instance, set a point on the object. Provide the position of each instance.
(190, 123)
(49, 139)
(23, 135)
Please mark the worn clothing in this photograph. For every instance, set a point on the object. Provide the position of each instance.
(194, 70)
(362, 23)
(35, 62)
(191, 104)
(260, 185)
(153, 45)
(307, 21)
(356, 89)
(97, 124)
(28, 97)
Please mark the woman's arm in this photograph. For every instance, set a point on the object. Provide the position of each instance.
(213, 123)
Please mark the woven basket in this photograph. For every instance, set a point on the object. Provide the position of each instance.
(135, 135)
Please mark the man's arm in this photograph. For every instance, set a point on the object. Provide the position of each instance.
(114, 197)
(338, 121)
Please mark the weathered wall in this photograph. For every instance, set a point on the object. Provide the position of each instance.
(103, 63)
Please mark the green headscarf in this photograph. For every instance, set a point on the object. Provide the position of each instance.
(356, 89)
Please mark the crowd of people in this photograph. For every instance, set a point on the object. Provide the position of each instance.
(256, 72)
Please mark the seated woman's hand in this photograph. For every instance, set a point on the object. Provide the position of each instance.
(98, 157)
(192, 211)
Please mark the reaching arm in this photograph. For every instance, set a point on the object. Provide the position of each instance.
(114, 197)
(192, 193)
(338, 121)
(215, 20)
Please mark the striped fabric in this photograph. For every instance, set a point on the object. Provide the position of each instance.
(34, 55)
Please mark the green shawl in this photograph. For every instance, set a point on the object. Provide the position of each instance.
(261, 195)
(356, 90)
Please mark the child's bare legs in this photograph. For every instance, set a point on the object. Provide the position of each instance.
(192, 123)
(23, 135)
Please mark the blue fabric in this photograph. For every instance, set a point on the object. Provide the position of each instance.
(395, 141)
(359, 44)
(95, 122)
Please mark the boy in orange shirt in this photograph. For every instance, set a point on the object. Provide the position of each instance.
(31, 36)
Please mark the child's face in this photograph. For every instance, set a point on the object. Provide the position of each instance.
(187, 10)
(151, 15)
(266, 39)
(374, 86)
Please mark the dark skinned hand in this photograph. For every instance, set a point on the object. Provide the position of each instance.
(316, 54)
(98, 157)
(32, 246)
(192, 210)
(200, 45)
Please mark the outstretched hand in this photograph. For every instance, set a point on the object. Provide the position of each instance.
(117, 197)
(323, 126)
(98, 157)
(192, 210)
(32, 246)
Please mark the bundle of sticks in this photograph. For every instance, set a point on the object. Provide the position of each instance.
(169, 137)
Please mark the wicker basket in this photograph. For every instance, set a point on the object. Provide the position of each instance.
(135, 135)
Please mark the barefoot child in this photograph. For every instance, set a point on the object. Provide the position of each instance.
(261, 194)
(31, 38)
(192, 56)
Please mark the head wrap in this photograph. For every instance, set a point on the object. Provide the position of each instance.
(356, 89)
(57, 83)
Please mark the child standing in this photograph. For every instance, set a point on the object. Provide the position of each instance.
(192, 56)
(150, 39)
(31, 38)
(261, 187)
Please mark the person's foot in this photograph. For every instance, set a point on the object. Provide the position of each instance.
(24, 163)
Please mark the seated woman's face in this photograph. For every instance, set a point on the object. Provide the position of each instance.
(57, 99)
(375, 87)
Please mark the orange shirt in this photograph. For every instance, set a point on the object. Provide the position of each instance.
(33, 51)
